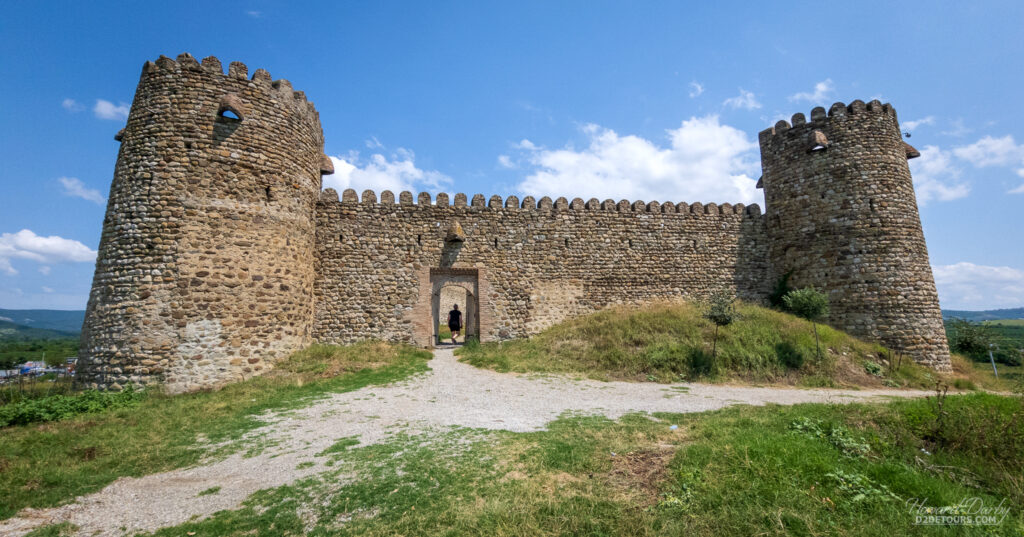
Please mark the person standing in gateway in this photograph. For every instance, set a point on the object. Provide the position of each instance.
(454, 321)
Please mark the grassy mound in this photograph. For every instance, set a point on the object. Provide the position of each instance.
(47, 464)
(671, 342)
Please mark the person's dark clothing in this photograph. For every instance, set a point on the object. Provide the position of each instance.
(454, 320)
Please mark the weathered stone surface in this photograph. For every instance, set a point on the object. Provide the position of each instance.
(208, 237)
(844, 219)
(220, 254)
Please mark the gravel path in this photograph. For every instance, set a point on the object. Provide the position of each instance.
(452, 394)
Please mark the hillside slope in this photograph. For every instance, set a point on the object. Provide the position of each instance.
(669, 342)
(60, 320)
(987, 315)
(16, 332)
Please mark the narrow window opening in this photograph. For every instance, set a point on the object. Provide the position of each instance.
(566, 243)
(630, 243)
(872, 203)
(341, 238)
(419, 240)
(267, 191)
(495, 243)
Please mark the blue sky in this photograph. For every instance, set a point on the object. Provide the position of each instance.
(635, 100)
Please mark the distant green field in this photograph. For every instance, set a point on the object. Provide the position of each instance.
(1008, 331)
(53, 351)
(1007, 322)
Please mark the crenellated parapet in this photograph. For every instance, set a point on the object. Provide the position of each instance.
(529, 203)
(211, 70)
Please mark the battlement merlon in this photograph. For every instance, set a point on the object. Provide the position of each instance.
(233, 104)
(819, 118)
(529, 203)
(187, 66)
(802, 136)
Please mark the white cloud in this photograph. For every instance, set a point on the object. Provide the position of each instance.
(958, 129)
(935, 176)
(990, 151)
(506, 162)
(704, 161)
(44, 270)
(397, 172)
(696, 88)
(822, 92)
(47, 289)
(913, 124)
(107, 110)
(374, 143)
(72, 105)
(976, 287)
(745, 99)
(254, 14)
(76, 188)
(48, 250)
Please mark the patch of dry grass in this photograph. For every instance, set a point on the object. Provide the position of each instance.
(671, 342)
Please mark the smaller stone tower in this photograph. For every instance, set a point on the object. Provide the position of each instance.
(205, 266)
(842, 216)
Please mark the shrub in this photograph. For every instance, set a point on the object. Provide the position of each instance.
(810, 304)
(702, 363)
(1008, 356)
(58, 407)
(873, 368)
(790, 355)
(969, 338)
(721, 312)
(776, 298)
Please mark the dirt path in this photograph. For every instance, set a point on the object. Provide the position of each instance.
(452, 394)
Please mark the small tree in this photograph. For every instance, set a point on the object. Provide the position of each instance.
(722, 313)
(810, 304)
(972, 339)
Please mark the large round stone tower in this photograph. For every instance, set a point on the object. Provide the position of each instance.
(842, 216)
(205, 266)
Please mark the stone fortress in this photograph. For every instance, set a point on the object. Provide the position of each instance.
(220, 254)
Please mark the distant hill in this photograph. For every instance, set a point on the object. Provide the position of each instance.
(60, 320)
(16, 332)
(987, 315)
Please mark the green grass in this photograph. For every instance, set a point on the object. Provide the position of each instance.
(1006, 322)
(669, 342)
(44, 465)
(36, 347)
(209, 491)
(810, 469)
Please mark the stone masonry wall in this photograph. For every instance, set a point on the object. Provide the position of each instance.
(205, 271)
(220, 254)
(842, 216)
(537, 262)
